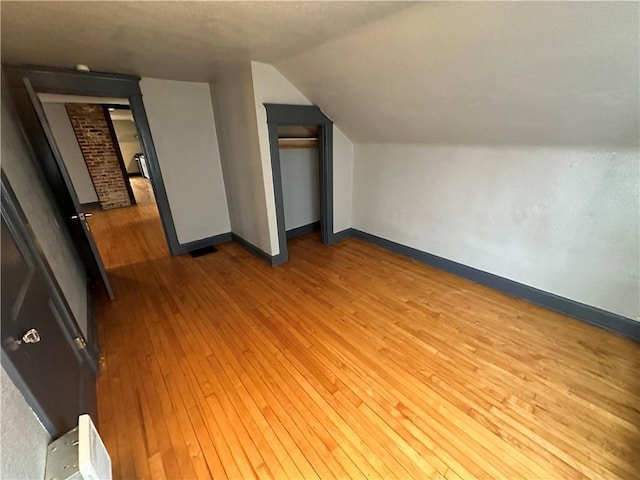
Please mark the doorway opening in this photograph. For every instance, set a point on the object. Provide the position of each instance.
(25, 85)
(135, 163)
(100, 149)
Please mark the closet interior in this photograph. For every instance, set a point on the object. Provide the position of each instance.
(300, 172)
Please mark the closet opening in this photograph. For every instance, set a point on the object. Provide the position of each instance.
(301, 147)
(300, 174)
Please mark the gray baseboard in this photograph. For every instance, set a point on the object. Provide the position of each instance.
(272, 260)
(341, 235)
(277, 260)
(595, 316)
(204, 242)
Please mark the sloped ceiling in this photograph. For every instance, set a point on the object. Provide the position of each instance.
(471, 73)
(523, 73)
(177, 40)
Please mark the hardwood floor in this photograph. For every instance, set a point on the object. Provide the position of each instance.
(130, 234)
(142, 190)
(351, 362)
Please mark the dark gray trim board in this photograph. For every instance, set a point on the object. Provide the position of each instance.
(92, 340)
(342, 234)
(595, 316)
(89, 394)
(58, 80)
(21, 385)
(303, 230)
(272, 260)
(278, 114)
(204, 242)
(286, 114)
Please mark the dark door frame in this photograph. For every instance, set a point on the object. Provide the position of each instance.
(71, 82)
(88, 359)
(279, 114)
(78, 228)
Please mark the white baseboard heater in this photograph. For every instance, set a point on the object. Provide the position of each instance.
(78, 455)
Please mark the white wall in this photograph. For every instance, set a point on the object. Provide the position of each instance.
(299, 168)
(23, 439)
(270, 86)
(128, 142)
(565, 221)
(234, 108)
(70, 150)
(343, 158)
(238, 99)
(184, 133)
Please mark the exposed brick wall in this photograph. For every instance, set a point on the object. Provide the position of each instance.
(99, 152)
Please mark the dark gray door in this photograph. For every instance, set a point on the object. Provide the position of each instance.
(37, 351)
(76, 215)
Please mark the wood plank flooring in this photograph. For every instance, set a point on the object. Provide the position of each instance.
(130, 234)
(351, 362)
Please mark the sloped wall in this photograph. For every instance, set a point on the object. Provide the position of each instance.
(482, 73)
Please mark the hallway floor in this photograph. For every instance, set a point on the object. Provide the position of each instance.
(133, 234)
(350, 362)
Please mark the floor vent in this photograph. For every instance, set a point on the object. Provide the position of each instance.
(198, 252)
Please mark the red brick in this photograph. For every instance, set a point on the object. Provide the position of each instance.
(92, 131)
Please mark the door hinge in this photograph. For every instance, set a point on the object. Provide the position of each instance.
(80, 343)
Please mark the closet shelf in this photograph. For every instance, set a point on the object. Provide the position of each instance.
(298, 142)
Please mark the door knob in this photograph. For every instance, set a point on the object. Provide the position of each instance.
(32, 336)
(81, 216)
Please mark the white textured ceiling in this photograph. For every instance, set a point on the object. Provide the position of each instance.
(498, 73)
(524, 73)
(174, 39)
